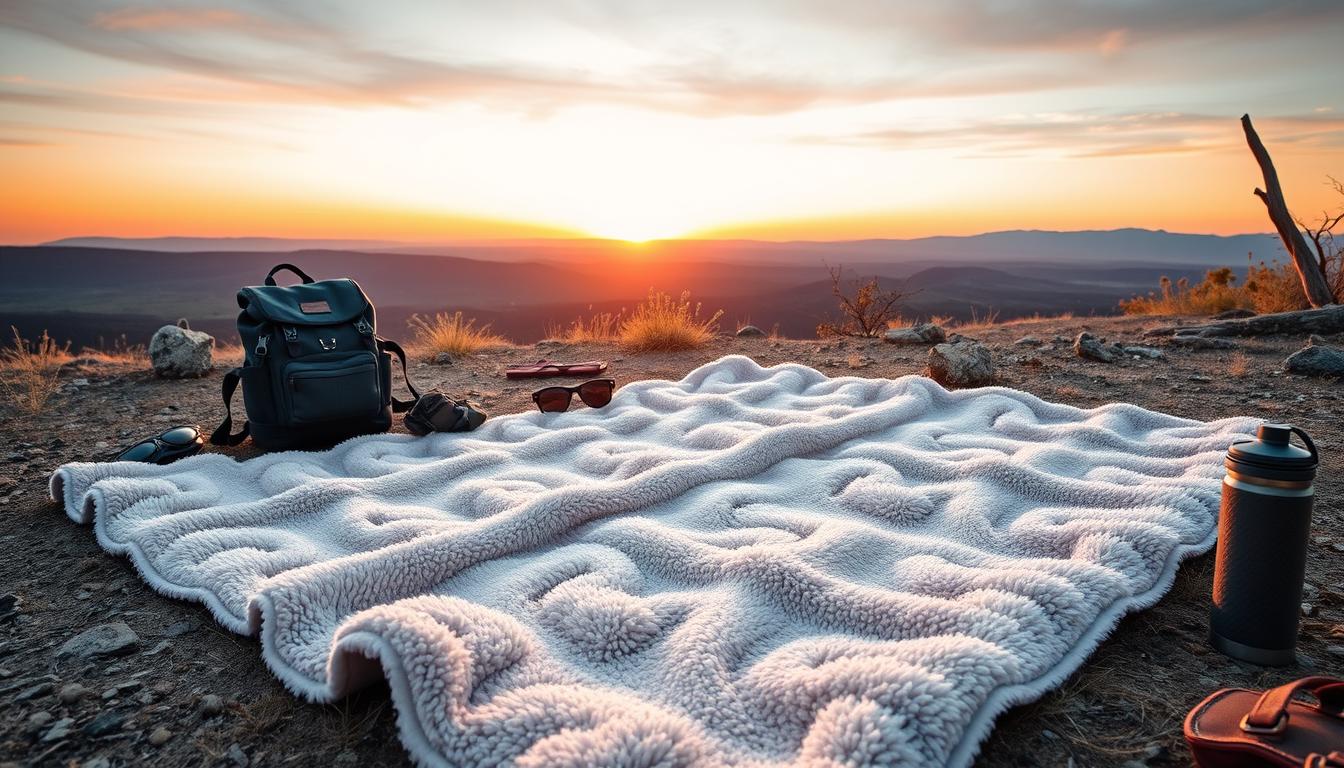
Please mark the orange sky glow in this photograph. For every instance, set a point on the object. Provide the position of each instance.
(639, 121)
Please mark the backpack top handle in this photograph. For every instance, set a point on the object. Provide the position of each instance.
(270, 276)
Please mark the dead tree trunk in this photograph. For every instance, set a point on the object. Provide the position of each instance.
(1324, 320)
(1313, 280)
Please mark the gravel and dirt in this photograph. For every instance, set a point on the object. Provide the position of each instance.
(163, 685)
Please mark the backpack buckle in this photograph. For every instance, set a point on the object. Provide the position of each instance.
(262, 341)
(291, 333)
(363, 327)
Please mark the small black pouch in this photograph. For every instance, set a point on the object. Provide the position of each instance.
(436, 412)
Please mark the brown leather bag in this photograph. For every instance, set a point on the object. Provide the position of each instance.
(1237, 728)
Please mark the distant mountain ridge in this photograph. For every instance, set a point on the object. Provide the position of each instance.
(1117, 247)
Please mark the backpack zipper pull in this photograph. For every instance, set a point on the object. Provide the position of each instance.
(363, 327)
(262, 341)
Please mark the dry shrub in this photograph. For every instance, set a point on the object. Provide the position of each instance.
(30, 371)
(602, 326)
(1270, 287)
(866, 310)
(453, 334)
(1276, 288)
(665, 324)
(1238, 365)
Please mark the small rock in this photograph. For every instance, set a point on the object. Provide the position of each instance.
(1090, 347)
(545, 343)
(750, 332)
(158, 648)
(1199, 377)
(1027, 341)
(9, 607)
(1234, 314)
(211, 705)
(1151, 353)
(72, 693)
(237, 755)
(1316, 360)
(181, 353)
(924, 333)
(1335, 650)
(1310, 591)
(114, 639)
(35, 692)
(96, 762)
(443, 358)
(1308, 609)
(346, 758)
(964, 364)
(59, 730)
(160, 736)
(178, 628)
(1190, 341)
(1317, 340)
(1049, 735)
(39, 719)
(105, 723)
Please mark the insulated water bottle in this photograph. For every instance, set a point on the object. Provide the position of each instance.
(1263, 528)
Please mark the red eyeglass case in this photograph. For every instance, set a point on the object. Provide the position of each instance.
(1237, 728)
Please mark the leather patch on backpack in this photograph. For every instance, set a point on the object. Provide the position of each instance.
(314, 307)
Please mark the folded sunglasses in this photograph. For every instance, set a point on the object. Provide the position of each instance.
(177, 443)
(594, 394)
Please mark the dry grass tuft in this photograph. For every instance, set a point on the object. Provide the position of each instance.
(30, 371)
(453, 334)
(602, 326)
(1239, 365)
(665, 324)
(1267, 288)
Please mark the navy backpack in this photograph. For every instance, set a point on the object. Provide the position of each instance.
(314, 370)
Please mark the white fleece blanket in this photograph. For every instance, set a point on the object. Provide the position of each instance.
(757, 566)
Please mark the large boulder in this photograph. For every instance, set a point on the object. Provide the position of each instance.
(1088, 346)
(177, 352)
(963, 364)
(1316, 360)
(924, 333)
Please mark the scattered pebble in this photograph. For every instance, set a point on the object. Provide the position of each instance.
(39, 719)
(211, 705)
(237, 755)
(114, 639)
(105, 723)
(160, 736)
(72, 693)
(59, 730)
(35, 691)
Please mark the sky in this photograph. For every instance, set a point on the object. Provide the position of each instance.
(776, 120)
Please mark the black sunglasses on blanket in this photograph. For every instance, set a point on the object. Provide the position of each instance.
(594, 393)
(177, 443)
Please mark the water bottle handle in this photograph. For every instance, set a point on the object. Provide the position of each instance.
(1306, 440)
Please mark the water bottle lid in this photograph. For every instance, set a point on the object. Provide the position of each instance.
(1271, 455)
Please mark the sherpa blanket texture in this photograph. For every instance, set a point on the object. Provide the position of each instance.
(750, 566)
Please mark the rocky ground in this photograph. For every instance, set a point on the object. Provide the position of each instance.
(98, 670)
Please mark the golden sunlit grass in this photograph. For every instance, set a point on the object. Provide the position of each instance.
(603, 326)
(30, 371)
(1267, 288)
(1238, 365)
(453, 334)
(665, 324)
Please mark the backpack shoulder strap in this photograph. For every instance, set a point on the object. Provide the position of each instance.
(221, 435)
(400, 406)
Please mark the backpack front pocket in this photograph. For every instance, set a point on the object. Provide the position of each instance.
(333, 388)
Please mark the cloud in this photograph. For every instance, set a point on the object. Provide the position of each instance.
(1097, 134)
(8, 141)
(707, 59)
(167, 19)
